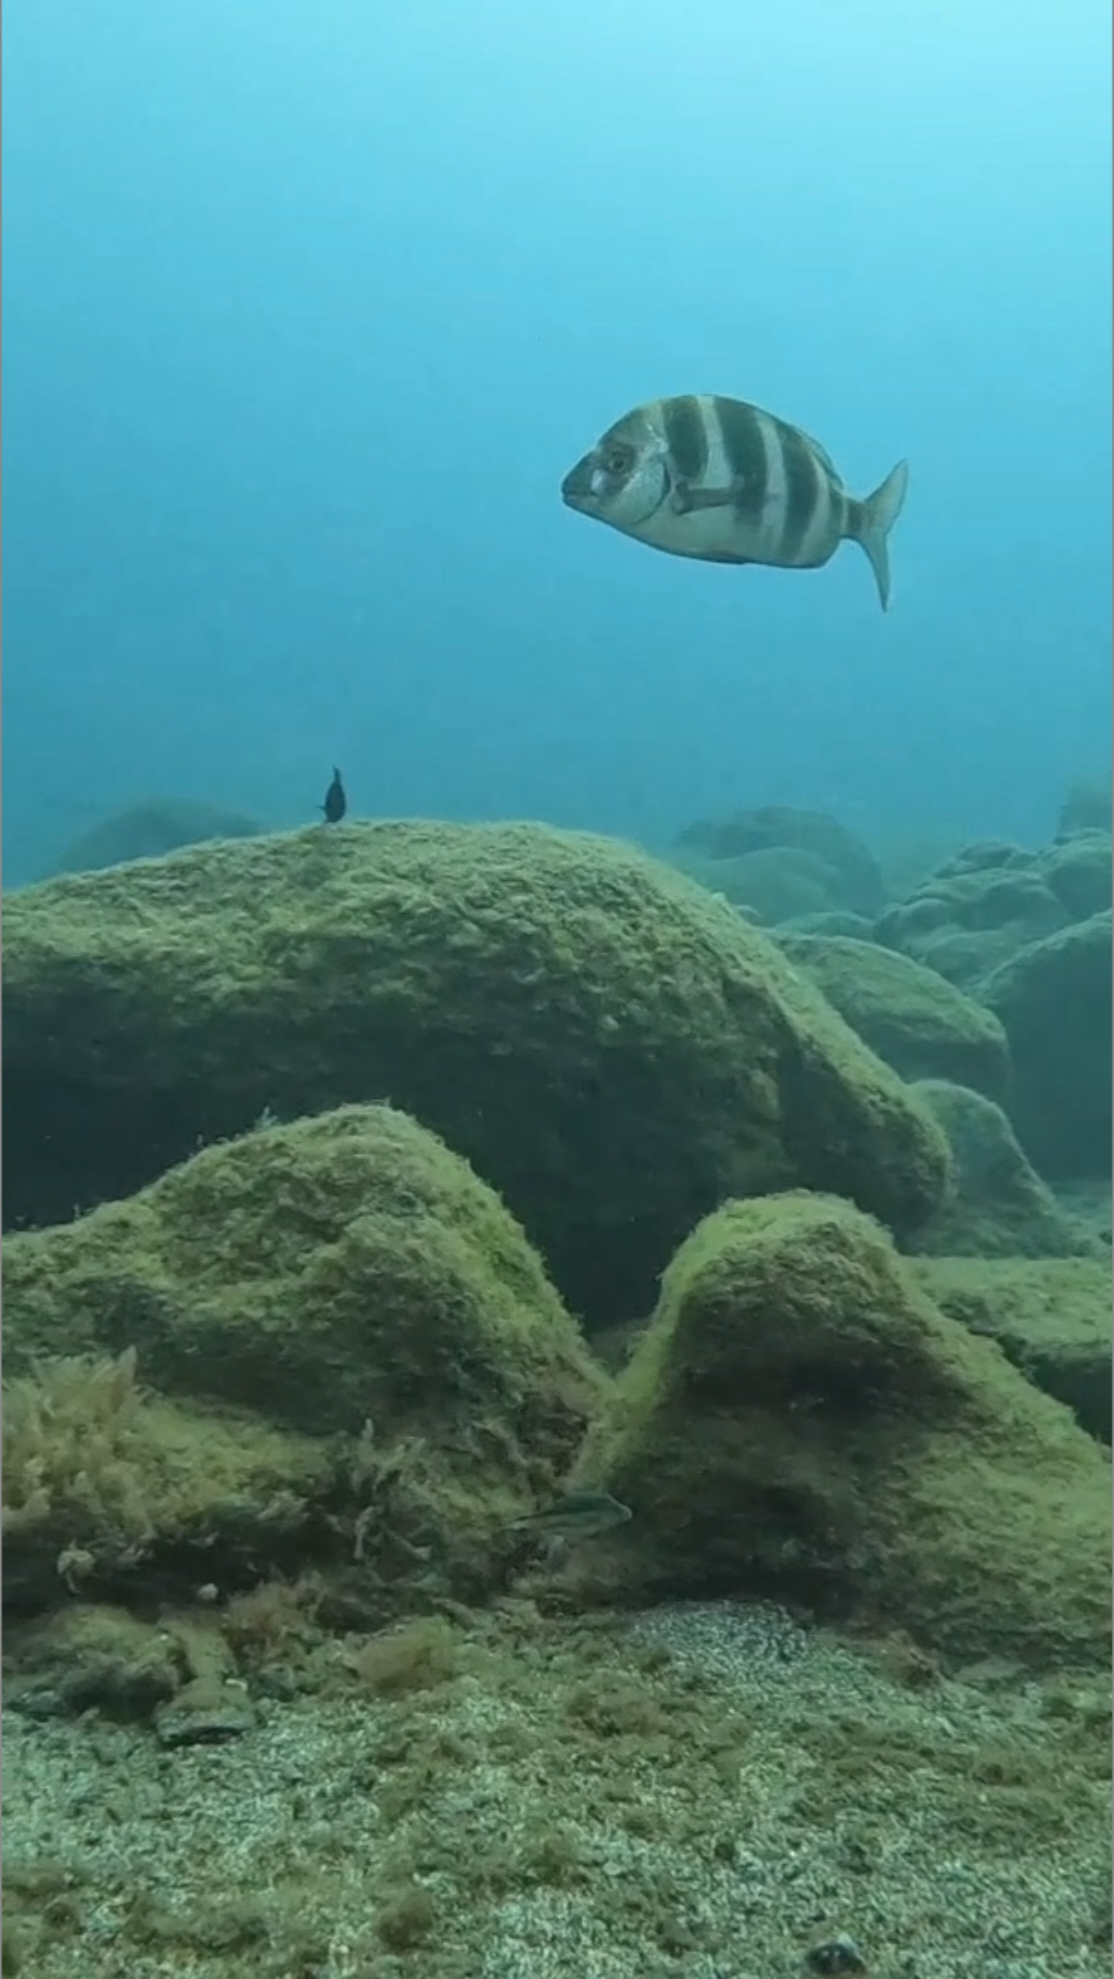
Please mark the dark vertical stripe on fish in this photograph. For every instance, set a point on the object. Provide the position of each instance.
(803, 493)
(745, 452)
(685, 436)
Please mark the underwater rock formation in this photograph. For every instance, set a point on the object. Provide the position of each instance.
(150, 830)
(347, 1277)
(106, 1485)
(1050, 1316)
(800, 1421)
(920, 1024)
(782, 884)
(1029, 934)
(1078, 870)
(615, 1050)
(844, 867)
(981, 908)
(998, 1206)
(1055, 999)
(319, 1274)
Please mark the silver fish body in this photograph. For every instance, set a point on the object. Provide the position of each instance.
(721, 480)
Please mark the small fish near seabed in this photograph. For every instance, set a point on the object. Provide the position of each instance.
(336, 803)
(577, 1515)
(721, 480)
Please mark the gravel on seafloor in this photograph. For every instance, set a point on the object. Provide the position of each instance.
(699, 1792)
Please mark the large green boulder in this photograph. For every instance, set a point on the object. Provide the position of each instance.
(800, 1421)
(346, 1267)
(780, 883)
(1050, 1316)
(613, 1049)
(1055, 1001)
(846, 870)
(919, 1023)
(997, 1206)
(991, 900)
(1078, 870)
(346, 1279)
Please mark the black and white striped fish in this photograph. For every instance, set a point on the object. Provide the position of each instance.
(719, 479)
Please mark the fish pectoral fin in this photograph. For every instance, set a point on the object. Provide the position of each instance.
(686, 501)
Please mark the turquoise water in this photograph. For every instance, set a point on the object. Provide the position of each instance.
(309, 310)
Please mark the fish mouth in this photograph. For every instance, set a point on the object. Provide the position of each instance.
(577, 488)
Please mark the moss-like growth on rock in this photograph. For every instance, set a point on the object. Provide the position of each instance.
(910, 1015)
(991, 900)
(105, 1484)
(175, 1669)
(801, 1421)
(780, 883)
(848, 872)
(1050, 1316)
(418, 1656)
(1079, 870)
(92, 1657)
(998, 1205)
(343, 1268)
(1055, 1001)
(347, 1277)
(613, 1048)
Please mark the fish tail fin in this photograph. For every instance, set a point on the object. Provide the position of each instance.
(872, 521)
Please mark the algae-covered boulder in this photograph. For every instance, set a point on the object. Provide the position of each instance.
(614, 1049)
(1055, 1001)
(975, 911)
(1051, 1316)
(151, 829)
(1079, 870)
(801, 1421)
(777, 884)
(919, 1023)
(343, 1268)
(997, 1206)
(345, 1277)
(982, 907)
(847, 869)
(105, 1484)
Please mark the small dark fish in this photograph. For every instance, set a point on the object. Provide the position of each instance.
(336, 803)
(578, 1515)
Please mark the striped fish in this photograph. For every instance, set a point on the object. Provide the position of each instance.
(719, 479)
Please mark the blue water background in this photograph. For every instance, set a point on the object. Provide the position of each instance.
(308, 308)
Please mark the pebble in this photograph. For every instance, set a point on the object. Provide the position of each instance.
(205, 1712)
(836, 1956)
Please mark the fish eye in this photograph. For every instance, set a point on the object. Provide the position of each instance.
(617, 460)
